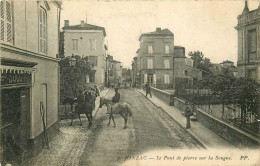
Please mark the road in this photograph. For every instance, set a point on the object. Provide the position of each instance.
(149, 128)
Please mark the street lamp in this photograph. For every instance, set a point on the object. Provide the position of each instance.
(72, 61)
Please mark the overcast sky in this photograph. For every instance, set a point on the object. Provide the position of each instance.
(207, 26)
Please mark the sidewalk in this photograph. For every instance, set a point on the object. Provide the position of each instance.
(67, 146)
(204, 135)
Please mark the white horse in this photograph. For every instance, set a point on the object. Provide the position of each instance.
(121, 108)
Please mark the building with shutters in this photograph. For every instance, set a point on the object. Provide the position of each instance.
(248, 28)
(159, 62)
(29, 76)
(114, 72)
(155, 58)
(86, 40)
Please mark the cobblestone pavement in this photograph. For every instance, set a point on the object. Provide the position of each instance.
(68, 146)
(148, 129)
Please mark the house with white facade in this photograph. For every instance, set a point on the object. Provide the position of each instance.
(86, 40)
(29, 76)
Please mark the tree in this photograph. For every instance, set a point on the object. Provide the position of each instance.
(73, 78)
(199, 61)
(241, 91)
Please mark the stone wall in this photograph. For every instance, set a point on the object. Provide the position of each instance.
(226, 131)
(164, 96)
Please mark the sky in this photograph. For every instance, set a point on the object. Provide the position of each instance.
(207, 26)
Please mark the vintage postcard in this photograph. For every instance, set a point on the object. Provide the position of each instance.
(125, 82)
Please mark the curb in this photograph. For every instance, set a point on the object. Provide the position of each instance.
(191, 133)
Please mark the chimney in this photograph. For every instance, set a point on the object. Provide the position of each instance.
(158, 29)
(82, 23)
(66, 23)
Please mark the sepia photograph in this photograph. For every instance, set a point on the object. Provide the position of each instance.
(130, 82)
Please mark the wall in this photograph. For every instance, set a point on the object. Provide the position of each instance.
(26, 30)
(83, 37)
(234, 135)
(164, 96)
(26, 48)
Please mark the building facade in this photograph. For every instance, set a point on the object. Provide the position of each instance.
(114, 72)
(183, 66)
(156, 58)
(29, 74)
(226, 67)
(248, 28)
(86, 40)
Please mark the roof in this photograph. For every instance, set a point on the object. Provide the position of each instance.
(163, 32)
(179, 47)
(85, 27)
(227, 61)
(114, 61)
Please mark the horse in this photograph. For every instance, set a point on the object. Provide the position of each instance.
(85, 107)
(121, 108)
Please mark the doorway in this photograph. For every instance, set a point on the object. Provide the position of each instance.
(15, 122)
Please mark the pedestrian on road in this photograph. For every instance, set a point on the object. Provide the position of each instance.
(148, 89)
(188, 112)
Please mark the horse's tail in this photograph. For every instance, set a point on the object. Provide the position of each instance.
(129, 109)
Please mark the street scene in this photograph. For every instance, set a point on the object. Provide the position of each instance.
(150, 83)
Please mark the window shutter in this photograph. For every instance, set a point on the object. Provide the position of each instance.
(145, 78)
(154, 78)
(2, 26)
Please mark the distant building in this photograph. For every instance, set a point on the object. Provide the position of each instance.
(183, 66)
(248, 28)
(159, 62)
(114, 71)
(29, 76)
(156, 58)
(86, 40)
(226, 67)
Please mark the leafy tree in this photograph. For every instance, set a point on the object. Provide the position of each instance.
(199, 61)
(73, 78)
(242, 91)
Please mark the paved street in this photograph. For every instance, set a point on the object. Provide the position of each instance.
(148, 129)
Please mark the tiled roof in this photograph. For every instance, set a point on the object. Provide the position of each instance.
(163, 32)
(85, 27)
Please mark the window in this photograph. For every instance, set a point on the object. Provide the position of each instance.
(185, 72)
(93, 60)
(75, 44)
(6, 22)
(166, 63)
(92, 44)
(150, 49)
(167, 50)
(150, 78)
(166, 79)
(150, 64)
(252, 73)
(252, 40)
(43, 31)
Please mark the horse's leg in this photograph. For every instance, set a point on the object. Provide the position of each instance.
(89, 121)
(110, 115)
(71, 117)
(80, 119)
(124, 117)
(113, 120)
